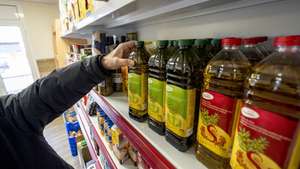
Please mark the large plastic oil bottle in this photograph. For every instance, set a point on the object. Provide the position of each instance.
(268, 132)
(203, 48)
(223, 88)
(138, 83)
(251, 51)
(157, 87)
(183, 86)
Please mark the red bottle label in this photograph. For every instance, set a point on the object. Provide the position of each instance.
(215, 122)
(263, 139)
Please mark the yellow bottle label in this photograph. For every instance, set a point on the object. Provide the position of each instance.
(216, 122)
(156, 99)
(137, 91)
(180, 110)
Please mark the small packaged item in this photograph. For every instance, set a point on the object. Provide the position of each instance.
(101, 117)
(121, 154)
(141, 163)
(132, 154)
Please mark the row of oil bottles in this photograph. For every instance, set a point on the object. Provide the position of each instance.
(241, 106)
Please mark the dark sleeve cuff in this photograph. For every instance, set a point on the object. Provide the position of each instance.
(106, 72)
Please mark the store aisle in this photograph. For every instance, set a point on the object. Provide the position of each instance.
(55, 134)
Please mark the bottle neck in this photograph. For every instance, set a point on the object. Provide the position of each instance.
(249, 45)
(227, 47)
(184, 47)
(293, 49)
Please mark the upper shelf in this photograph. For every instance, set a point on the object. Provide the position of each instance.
(153, 147)
(115, 13)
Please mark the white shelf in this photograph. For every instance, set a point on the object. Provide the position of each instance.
(102, 9)
(127, 165)
(180, 160)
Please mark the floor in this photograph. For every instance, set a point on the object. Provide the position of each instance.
(56, 136)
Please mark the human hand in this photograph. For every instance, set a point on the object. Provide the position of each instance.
(119, 56)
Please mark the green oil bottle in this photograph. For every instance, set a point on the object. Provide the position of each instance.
(138, 83)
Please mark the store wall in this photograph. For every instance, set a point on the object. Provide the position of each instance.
(38, 23)
(277, 18)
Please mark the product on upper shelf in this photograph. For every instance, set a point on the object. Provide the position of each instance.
(251, 51)
(156, 88)
(133, 153)
(101, 117)
(138, 83)
(223, 88)
(268, 134)
(184, 81)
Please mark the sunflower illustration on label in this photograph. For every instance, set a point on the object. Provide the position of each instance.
(215, 122)
(259, 144)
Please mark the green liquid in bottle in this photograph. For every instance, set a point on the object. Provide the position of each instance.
(157, 87)
(182, 96)
(138, 83)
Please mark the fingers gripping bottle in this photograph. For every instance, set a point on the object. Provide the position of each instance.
(138, 83)
(223, 86)
(157, 88)
(183, 84)
(268, 131)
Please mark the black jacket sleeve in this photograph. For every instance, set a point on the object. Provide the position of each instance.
(44, 100)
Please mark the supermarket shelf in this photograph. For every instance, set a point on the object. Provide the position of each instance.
(102, 143)
(114, 13)
(86, 133)
(102, 9)
(127, 165)
(153, 147)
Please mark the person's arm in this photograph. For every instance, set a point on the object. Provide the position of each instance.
(44, 100)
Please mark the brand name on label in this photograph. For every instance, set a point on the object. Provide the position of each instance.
(207, 96)
(250, 113)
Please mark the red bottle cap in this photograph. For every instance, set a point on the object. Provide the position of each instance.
(231, 41)
(260, 39)
(250, 41)
(293, 40)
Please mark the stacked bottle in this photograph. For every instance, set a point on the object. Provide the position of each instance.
(268, 132)
(138, 83)
(251, 51)
(157, 87)
(223, 88)
(183, 84)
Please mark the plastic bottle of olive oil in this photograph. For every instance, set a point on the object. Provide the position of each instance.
(268, 132)
(183, 86)
(138, 83)
(157, 88)
(223, 86)
(251, 51)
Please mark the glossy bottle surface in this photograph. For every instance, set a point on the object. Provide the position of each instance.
(251, 51)
(137, 83)
(183, 83)
(157, 87)
(268, 127)
(223, 85)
